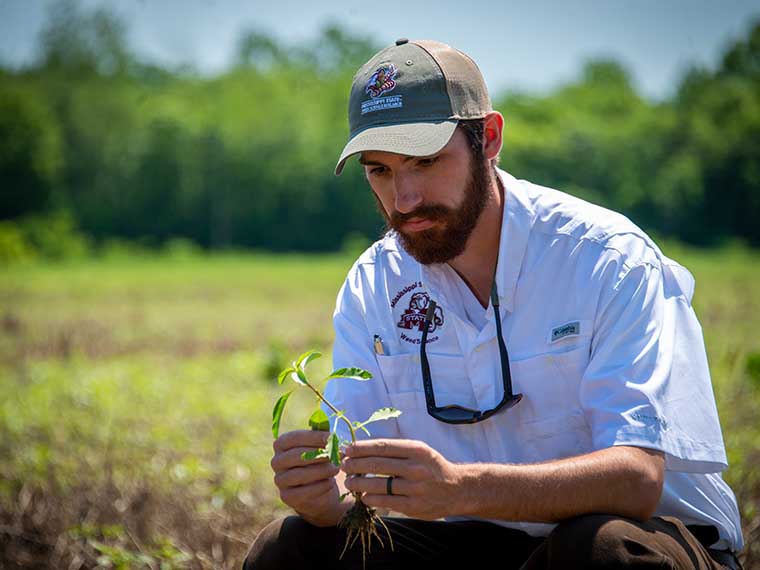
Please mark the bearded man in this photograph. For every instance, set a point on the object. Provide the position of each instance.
(557, 408)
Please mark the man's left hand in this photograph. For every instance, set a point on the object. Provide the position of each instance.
(425, 483)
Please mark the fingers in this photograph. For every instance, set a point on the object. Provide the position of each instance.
(297, 476)
(292, 471)
(379, 485)
(301, 498)
(401, 448)
(398, 503)
(386, 465)
(292, 458)
(304, 485)
(301, 438)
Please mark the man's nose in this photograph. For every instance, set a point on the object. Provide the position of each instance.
(408, 193)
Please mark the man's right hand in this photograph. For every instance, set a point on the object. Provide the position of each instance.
(309, 487)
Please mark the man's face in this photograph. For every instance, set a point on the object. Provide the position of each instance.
(433, 203)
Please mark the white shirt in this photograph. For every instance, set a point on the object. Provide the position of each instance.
(603, 345)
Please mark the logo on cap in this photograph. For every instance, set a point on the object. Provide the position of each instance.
(381, 81)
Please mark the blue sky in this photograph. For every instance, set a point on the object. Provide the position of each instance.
(531, 45)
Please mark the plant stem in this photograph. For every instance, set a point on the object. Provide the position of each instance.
(337, 412)
(356, 494)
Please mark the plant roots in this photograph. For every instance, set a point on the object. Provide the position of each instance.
(360, 522)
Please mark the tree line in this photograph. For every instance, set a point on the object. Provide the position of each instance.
(132, 150)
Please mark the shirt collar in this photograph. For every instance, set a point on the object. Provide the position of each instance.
(516, 224)
(517, 220)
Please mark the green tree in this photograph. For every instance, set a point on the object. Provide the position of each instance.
(84, 42)
(30, 152)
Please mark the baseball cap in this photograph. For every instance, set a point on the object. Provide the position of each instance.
(409, 97)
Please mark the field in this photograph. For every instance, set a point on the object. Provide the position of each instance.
(136, 395)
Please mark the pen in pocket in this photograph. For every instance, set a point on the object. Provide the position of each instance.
(379, 348)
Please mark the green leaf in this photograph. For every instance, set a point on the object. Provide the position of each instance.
(284, 374)
(314, 454)
(319, 420)
(333, 449)
(277, 413)
(382, 414)
(295, 374)
(359, 425)
(300, 377)
(307, 357)
(343, 496)
(351, 373)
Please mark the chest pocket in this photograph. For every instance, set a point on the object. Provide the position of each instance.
(552, 422)
(403, 377)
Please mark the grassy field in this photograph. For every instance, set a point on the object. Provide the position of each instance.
(136, 395)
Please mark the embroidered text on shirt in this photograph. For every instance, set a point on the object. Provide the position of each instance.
(570, 329)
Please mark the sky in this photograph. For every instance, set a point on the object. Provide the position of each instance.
(526, 45)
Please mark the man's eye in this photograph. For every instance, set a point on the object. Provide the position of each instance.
(377, 171)
(427, 161)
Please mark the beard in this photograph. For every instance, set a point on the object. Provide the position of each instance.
(448, 238)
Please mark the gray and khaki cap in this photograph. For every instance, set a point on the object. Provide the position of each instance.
(409, 98)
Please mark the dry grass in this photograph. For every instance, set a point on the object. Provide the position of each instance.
(135, 400)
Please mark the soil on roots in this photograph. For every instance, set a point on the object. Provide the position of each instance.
(360, 522)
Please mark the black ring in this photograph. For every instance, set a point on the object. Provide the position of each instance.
(389, 485)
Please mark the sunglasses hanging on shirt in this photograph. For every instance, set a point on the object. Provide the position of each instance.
(453, 413)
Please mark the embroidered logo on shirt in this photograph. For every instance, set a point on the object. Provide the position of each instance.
(648, 419)
(404, 291)
(569, 329)
(414, 316)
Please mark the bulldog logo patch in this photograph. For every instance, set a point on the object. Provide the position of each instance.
(413, 317)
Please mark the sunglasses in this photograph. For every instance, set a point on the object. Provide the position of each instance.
(453, 413)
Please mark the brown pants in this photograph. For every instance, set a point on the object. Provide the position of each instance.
(589, 542)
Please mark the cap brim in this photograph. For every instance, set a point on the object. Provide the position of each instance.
(412, 139)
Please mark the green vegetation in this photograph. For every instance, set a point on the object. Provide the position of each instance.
(137, 393)
(246, 158)
(136, 397)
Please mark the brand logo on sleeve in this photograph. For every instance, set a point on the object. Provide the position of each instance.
(569, 329)
(649, 419)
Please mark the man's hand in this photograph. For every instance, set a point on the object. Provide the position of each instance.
(625, 481)
(309, 487)
(424, 481)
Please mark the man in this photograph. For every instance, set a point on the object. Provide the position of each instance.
(557, 410)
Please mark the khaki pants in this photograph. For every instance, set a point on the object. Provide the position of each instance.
(589, 542)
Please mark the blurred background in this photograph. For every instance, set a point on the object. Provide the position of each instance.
(172, 234)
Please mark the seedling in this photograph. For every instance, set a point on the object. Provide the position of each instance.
(360, 520)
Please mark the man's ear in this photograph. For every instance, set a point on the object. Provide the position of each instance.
(493, 125)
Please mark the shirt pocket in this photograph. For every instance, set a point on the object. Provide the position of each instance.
(552, 422)
(403, 378)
